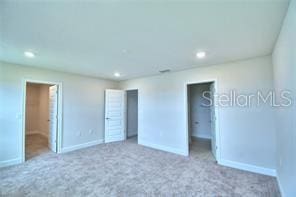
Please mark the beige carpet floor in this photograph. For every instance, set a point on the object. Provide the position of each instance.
(128, 169)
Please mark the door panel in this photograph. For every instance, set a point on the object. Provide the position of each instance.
(53, 117)
(114, 115)
(213, 121)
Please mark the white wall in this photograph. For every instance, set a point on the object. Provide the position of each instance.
(32, 109)
(132, 113)
(200, 115)
(83, 108)
(284, 60)
(247, 134)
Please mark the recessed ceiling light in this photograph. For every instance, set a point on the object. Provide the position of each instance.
(201, 54)
(117, 74)
(29, 54)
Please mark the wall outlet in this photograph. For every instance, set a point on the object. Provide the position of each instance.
(90, 131)
(78, 133)
(281, 161)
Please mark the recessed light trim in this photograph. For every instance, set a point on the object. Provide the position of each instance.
(29, 54)
(201, 54)
(117, 74)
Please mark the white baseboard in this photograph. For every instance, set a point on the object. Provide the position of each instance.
(80, 146)
(248, 167)
(131, 134)
(44, 134)
(134, 135)
(10, 162)
(164, 148)
(202, 136)
(36, 132)
(32, 132)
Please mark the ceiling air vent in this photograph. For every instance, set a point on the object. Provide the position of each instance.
(165, 71)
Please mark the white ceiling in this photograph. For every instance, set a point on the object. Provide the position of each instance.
(136, 38)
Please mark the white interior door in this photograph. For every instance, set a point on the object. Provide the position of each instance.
(213, 121)
(53, 117)
(114, 115)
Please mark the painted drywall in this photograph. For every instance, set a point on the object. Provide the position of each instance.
(83, 108)
(284, 61)
(132, 113)
(200, 113)
(137, 38)
(247, 135)
(32, 109)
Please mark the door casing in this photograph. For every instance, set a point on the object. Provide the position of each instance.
(60, 112)
(216, 108)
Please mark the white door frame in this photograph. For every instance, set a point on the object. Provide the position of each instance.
(217, 130)
(125, 112)
(60, 112)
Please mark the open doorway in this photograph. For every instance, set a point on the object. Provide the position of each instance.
(202, 120)
(132, 115)
(41, 122)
